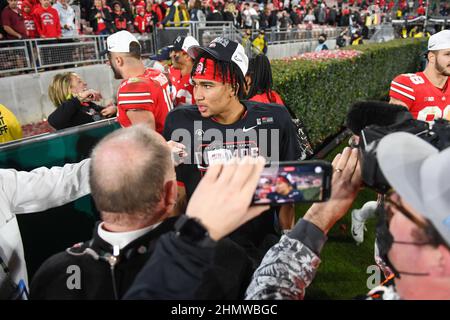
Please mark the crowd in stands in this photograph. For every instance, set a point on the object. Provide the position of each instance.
(217, 248)
(69, 18)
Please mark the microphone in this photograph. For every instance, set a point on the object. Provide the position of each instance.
(365, 113)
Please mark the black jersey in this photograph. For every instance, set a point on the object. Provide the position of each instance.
(264, 129)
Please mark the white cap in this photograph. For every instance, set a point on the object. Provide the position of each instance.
(120, 41)
(439, 41)
(419, 173)
(224, 49)
(183, 43)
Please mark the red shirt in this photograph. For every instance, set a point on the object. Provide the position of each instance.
(156, 9)
(421, 11)
(140, 23)
(15, 21)
(148, 20)
(424, 100)
(274, 98)
(141, 93)
(159, 77)
(30, 26)
(182, 88)
(47, 22)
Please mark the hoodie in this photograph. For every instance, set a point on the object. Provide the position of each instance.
(47, 22)
(28, 20)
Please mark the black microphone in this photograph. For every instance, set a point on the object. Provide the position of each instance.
(365, 113)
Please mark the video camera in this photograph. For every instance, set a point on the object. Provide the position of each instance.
(371, 121)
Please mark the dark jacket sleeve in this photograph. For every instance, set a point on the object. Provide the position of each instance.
(62, 117)
(174, 271)
(170, 17)
(69, 114)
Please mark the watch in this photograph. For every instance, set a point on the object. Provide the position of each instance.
(191, 230)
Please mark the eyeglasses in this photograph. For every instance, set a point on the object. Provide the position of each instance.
(399, 206)
(430, 232)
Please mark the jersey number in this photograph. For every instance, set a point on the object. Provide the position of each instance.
(431, 113)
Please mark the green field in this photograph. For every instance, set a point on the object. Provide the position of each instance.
(343, 271)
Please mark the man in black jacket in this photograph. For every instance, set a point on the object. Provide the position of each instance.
(133, 213)
(133, 184)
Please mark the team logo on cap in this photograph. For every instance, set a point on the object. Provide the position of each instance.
(224, 42)
(199, 68)
(237, 58)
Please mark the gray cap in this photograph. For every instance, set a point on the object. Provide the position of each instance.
(420, 174)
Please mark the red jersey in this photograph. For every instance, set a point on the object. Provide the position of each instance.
(274, 98)
(47, 22)
(421, 11)
(159, 77)
(140, 23)
(144, 94)
(182, 88)
(29, 25)
(424, 100)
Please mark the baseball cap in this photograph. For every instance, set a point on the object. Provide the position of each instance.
(183, 43)
(120, 42)
(281, 179)
(419, 174)
(439, 41)
(162, 54)
(224, 49)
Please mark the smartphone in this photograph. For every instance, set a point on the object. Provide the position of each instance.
(293, 182)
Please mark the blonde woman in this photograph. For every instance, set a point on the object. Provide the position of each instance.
(74, 102)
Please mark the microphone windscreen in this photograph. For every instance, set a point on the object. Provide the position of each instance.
(365, 113)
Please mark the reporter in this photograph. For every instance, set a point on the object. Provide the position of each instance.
(74, 102)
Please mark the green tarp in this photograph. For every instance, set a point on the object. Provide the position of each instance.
(51, 231)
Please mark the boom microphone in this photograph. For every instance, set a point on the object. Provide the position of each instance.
(366, 113)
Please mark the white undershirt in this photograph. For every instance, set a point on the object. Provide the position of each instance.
(122, 239)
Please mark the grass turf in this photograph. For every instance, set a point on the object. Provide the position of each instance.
(343, 271)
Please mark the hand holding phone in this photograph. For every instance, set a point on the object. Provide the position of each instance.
(294, 182)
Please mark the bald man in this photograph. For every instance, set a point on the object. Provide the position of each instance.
(133, 185)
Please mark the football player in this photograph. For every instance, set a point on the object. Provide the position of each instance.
(140, 98)
(221, 126)
(180, 72)
(427, 94)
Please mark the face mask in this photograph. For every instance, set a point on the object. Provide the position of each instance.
(321, 41)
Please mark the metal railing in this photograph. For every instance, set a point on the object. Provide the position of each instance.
(39, 54)
(35, 55)
(204, 32)
(17, 56)
(275, 36)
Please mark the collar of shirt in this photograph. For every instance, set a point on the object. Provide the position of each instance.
(122, 239)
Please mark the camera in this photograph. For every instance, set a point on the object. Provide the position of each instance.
(437, 135)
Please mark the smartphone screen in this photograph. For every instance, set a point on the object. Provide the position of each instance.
(292, 182)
